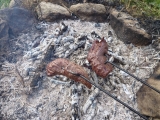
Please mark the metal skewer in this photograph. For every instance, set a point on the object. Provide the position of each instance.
(138, 79)
(106, 92)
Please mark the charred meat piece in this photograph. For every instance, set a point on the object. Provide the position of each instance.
(96, 57)
(62, 66)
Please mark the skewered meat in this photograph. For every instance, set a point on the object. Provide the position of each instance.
(96, 57)
(62, 66)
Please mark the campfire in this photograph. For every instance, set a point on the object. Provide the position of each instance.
(28, 93)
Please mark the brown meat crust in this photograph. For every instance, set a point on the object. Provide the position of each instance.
(96, 57)
(62, 66)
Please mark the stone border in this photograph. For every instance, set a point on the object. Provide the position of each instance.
(125, 26)
(128, 29)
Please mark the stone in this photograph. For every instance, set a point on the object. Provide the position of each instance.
(89, 11)
(4, 35)
(127, 29)
(28, 4)
(31, 4)
(18, 19)
(147, 99)
(51, 12)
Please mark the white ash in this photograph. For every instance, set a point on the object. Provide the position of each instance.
(52, 98)
(75, 102)
(90, 100)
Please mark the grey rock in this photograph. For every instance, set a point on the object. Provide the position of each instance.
(31, 4)
(89, 11)
(51, 12)
(125, 28)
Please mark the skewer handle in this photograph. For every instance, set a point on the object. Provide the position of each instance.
(106, 92)
(138, 79)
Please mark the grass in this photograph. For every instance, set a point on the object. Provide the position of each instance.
(148, 8)
(4, 3)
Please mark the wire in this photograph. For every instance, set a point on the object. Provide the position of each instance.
(138, 79)
(106, 92)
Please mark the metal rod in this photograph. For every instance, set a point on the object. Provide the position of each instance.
(138, 79)
(106, 92)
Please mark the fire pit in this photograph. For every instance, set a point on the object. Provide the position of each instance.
(28, 93)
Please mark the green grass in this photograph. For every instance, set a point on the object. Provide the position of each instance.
(149, 8)
(4, 3)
